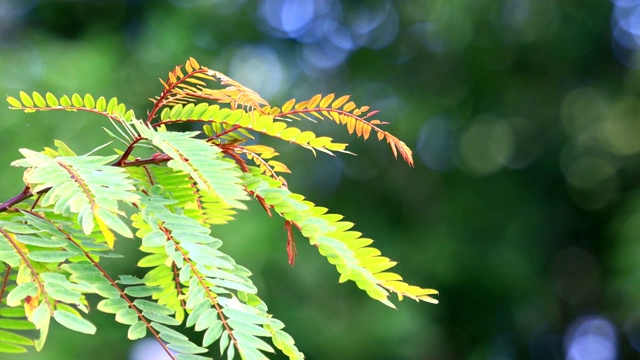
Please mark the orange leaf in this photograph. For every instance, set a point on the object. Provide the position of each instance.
(291, 244)
(341, 100)
(351, 124)
(327, 100)
(349, 106)
(366, 130)
(359, 126)
(393, 147)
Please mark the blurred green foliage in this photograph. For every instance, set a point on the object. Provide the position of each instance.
(523, 208)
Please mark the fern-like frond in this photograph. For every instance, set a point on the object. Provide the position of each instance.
(36, 102)
(219, 297)
(260, 123)
(347, 250)
(263, 156)
(196, 203)
(182, 88)
(202, 161)
(344, 112)
(83, 185)
(55, 232)
(67, 269)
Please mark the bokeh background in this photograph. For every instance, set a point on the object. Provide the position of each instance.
(523, 208)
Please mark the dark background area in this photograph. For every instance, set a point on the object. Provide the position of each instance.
(523, 208)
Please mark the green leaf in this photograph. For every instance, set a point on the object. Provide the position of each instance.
(112, 106)
(26, 100)
(76, 100)
(101, 103)
(137, 331)
(142, 291)
(8, 253)
(13, 324)
(191, 357)
(9, 337)
(51, 100)
(89, 101)
(206, 320)
(112, 306)
(14, 102)
(38, 99)
(245, 315)
(114, 223)
(213, 333)
(160, 318)
(74, 322)
(46, 242)
(152, 260)
(175, 112)
(64, 101)
(253, 341)
(21, 291)
(169, 335)
(146, 305)
(50, 256)
(62, 293)
(187, 348)
(127, 316)
(41, 316)
(44, 331)
(11, 348)
(11, 312)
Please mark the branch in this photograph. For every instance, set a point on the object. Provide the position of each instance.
(25, 194)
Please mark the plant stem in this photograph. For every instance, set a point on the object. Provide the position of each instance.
(25, 194)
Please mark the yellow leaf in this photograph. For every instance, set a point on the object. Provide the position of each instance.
(179, 72)
(313, 102)
(277, 166)
(196, 81)
(304, 137)
(288, 105)
(289, 133)
(194, 63)
(301, 105)
(274, 128)
(108, 234)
